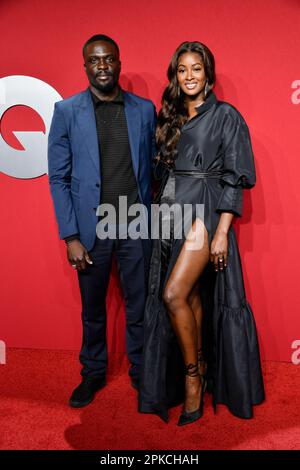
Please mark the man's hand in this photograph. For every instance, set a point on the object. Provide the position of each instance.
(78, 255)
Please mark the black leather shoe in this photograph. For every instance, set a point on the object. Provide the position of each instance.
(85, 392)
(188, 417)
(135, 382)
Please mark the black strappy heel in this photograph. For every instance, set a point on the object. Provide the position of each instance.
(188, 417)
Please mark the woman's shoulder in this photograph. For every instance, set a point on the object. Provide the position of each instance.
(228, 108)
(230, 112)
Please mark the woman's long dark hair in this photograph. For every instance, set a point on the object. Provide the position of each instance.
(173, 113)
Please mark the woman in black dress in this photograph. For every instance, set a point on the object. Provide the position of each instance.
(199, 326)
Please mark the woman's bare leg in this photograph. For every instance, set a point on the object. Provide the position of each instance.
(194, 301)
(187, 270)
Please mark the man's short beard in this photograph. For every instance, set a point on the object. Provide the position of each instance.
(105, 88)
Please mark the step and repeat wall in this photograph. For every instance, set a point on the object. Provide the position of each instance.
(256, 46)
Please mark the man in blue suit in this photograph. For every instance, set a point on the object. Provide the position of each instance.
(101, 146)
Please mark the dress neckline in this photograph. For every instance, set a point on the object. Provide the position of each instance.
(201, 109)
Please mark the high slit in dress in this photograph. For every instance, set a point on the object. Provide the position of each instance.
(213, 165)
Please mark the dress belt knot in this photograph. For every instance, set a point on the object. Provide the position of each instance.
(198, 174)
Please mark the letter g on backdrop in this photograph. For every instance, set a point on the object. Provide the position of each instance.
(40, 96)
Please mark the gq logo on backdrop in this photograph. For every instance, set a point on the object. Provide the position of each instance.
(38, 95)
(296, 353)
(295, 98)
(2, 352)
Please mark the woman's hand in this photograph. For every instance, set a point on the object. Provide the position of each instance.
(219, 244)
(219, 251)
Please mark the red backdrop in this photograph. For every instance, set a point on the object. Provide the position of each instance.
(256, 46)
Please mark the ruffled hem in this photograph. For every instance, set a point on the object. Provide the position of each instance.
(238, 380)
(161, 413)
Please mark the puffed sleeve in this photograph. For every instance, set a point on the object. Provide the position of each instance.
(238, 163)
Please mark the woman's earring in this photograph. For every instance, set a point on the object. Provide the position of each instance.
(206, 89)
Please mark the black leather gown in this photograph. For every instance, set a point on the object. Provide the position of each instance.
(214, 164)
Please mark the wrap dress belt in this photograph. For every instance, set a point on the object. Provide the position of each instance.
(198, 174)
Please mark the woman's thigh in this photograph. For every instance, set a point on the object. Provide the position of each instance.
(190, 263)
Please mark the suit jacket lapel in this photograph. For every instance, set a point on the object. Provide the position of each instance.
(133, 119)
(85, 116)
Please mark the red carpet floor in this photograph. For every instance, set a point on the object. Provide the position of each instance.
(35, 386)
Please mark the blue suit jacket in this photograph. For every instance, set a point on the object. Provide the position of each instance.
(74, 166)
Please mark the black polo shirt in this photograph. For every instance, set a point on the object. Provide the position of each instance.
(117, 176)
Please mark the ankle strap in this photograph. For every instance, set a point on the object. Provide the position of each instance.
(200, 355)
(192, 370)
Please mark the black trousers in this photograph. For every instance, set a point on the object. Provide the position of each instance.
(93, 283)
